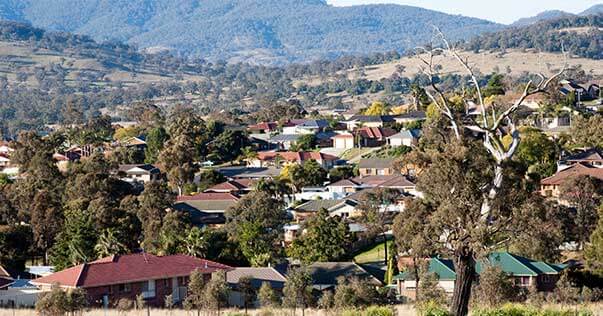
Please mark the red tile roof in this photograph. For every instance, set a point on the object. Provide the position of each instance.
(269, 126)
(128, 269)
(296, 156)
(209, 196)
(575, 170)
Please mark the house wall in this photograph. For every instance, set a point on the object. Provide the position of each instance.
(375, 171)
(19, 297)
(343, 143)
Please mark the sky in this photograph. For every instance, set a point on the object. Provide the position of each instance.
(505, 11)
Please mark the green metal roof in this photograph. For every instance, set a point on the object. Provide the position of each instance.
(511, 264)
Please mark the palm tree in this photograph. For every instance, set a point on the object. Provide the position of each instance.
(195, 243)
(108, 244)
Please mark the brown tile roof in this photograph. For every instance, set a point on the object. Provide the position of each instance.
(232, 185)
(209, 196)
(344, 183)
(270, 126)
(127, 269)
(573, 171)
(375, 132)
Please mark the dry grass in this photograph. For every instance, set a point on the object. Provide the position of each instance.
(401, 310)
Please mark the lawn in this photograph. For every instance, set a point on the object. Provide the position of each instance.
(374, 254)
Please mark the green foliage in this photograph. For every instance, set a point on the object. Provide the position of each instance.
(256, 224)
(208, 178)
(153, 203)
(587, 132)
(494, 288)
(194, 294)
(343, 172)
(310, 173)
(495, 85)
(215, 295)
(594, 250)
(267, 296)
(537, 152)
(432, 308)
(155, 140)
(298, 289)
(305, 143)
(59, 302)
(353, 293)
(75, 244)
(323, 240)
(378, 311)
(524, 310)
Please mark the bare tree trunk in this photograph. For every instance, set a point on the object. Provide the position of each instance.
(464, 266)
(415, 264)
(385, 244)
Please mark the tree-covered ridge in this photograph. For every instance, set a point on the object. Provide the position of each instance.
(264, 31)
(582, 36)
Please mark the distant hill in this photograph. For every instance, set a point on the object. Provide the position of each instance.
(267, 31)
(579, 35)
(596, 9)
(543, 16)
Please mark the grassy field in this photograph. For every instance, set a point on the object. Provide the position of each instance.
(374, 254)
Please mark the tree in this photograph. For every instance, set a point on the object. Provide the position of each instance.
(194, 294)
(305, 143)
(310, 173)
(195, 243)
(470, 189)
(46, 220)
(587, 132)
(594, 250)
(340, 173)
(256, 224)
(298, 289)
(108, 244)
(430, 290)
(172, 234)
(537, 152)
(376, 215)
(248, 294)
(154, 201)
(267, 296)
(377, 108)
(75, 244)
(53, 303)
(494, 287)
(187, 144)
(323, 239)
(155, 142)
(354, 293)
(583, 193)
(215, 294)
(495, 85)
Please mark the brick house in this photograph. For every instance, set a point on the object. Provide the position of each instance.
(126, 276)
(551, 187)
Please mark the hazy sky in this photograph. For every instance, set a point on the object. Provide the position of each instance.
(502, 11)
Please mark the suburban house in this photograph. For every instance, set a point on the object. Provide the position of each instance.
(125, 276)
(325, 275)
(357, 184)
(551, 186)
(373, 136)
(4, 160)
(207, 208)
(376, 166)
(279, 158)
(592, 157)
(235, 186)
(580, 92)
(5, 148)
(18, 293)
(343, 208)
(412, 116)
(343, 141)
(256, 173)
(404, 138)
(302, 127)
(284, 141)
(139, 173)
(138, 142)
(263, 128)
(258, 276)
(357, 121)
(523, 271)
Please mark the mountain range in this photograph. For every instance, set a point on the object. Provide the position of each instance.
(257, 31)
(556, 14)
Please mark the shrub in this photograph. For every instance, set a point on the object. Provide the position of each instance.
(378, 311)
(431, 308)
(494, 288)
(523, 310)
(350, 312)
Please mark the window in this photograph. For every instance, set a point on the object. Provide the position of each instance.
(523, 281)
(148, 289)
(124, 288)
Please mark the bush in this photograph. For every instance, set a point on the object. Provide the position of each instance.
(351, 312)
(124, 305)
(523, 310)
(431, 308)
(378, 311)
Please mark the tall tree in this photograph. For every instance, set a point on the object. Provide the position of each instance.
(153, 204)
(155, 142)
(298, 289)
(583, 194)
(194, 294)
(256, 223)
(470, 189)
(323, 239)
(215, 295)
(594, 250)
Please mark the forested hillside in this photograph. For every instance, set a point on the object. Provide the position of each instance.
(269, 31)
(582, 36)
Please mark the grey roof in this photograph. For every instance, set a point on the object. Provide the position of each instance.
(317, 205)
(413, 115)
(372, 118)
(376, 163)
(280, 138)
(314, 124)
(148, 168)
(327, 273)
(591, 154)
(406, 134)
(258, 276)
(244, 172)
(200, 217)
